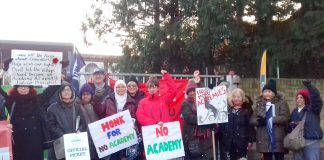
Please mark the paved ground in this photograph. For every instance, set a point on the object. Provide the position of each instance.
(256, 156)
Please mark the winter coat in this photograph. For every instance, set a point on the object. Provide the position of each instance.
(89, 116)
(312, 127)
(29, 121)
(155, 108)
(190, 124)
(138, 96)
(280, 121)
(2, 109)
(237, 130)
(62, 121)
(109, 106)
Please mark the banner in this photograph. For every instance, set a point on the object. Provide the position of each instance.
(113, 133)
(5, 141)
(211, 105)
(37, 68)
(76, 146)
(163, 142)
(263, 70)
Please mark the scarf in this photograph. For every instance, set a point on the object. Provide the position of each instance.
(120, 99)
(270, 113)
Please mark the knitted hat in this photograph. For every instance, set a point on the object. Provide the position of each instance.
(86, 88)
(271, 85)
(132, 79)
(99, 71)
(305, 94)
(191, 86)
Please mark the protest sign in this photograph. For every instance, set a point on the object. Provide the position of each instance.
(30, 67)
(5, 141)
(113, 133)
(76, 146)
(211, 105)
(163, 142)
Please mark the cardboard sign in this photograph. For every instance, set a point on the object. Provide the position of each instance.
(30, 67)
(163, 142)
(76, 146)
(113, 133)
(5, 141)
(211, 105)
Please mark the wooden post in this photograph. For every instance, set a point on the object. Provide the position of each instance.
(214, 146)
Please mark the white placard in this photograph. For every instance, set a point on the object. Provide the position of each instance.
(76, 146)
(163, 142)
(30, 67)
(4, 153)
(113, 133)
(211, 105)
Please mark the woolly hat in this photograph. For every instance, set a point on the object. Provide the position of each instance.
(99, 71)
(132, 78)
(271, 85)
(86, 88)
(191, 86)
(305, 94)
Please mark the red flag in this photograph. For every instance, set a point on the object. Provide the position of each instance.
(175, 106)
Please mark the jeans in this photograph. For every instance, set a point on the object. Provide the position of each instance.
(310, 152)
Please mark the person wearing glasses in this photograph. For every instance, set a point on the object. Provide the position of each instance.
(133, 89)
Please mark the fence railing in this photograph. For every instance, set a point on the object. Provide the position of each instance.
(142, 78)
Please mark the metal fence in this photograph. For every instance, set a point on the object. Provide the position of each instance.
(142, 78)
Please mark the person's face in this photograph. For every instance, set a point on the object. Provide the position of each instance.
(66, 93)
(86, 97)
(237, 99)
(98, 78)
(153, 89)
(192, 95)
(23, 90)
(120, 89)
(268, 95)
(132, 88)
(300, 101)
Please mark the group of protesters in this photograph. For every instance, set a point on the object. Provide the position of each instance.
(38, 119)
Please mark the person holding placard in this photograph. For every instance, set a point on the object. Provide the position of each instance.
(154, 109)
(192, 132)
(270, 117)
(65, 116)
(114, 103)
(236, 136)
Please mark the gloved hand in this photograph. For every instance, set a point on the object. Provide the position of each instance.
(307, 83)
(6, 64)
(262, 121)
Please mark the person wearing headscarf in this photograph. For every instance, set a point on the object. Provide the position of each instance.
(270, 117)
(308, 103)
(116, 102)
(133, 89)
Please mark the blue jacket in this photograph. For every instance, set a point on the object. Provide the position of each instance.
(312, 128)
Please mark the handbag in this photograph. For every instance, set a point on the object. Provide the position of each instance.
(194, 148)
(295, 140)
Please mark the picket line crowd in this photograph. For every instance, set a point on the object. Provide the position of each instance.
(37, 119)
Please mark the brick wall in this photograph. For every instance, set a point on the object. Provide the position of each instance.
(288, 87)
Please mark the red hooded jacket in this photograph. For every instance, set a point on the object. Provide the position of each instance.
(155, 107)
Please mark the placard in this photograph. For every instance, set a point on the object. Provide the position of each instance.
(211, 105)
(30, 67)
(163, 142)
(113, 133)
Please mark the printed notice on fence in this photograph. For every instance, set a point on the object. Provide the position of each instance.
(38, 68)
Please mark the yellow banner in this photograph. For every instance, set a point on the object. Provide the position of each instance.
(263, 70)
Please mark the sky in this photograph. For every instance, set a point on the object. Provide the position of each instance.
(51, 21)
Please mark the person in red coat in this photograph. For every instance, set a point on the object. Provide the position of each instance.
(154, 109)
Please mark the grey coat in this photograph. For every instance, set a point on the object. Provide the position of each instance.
(280, 122)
